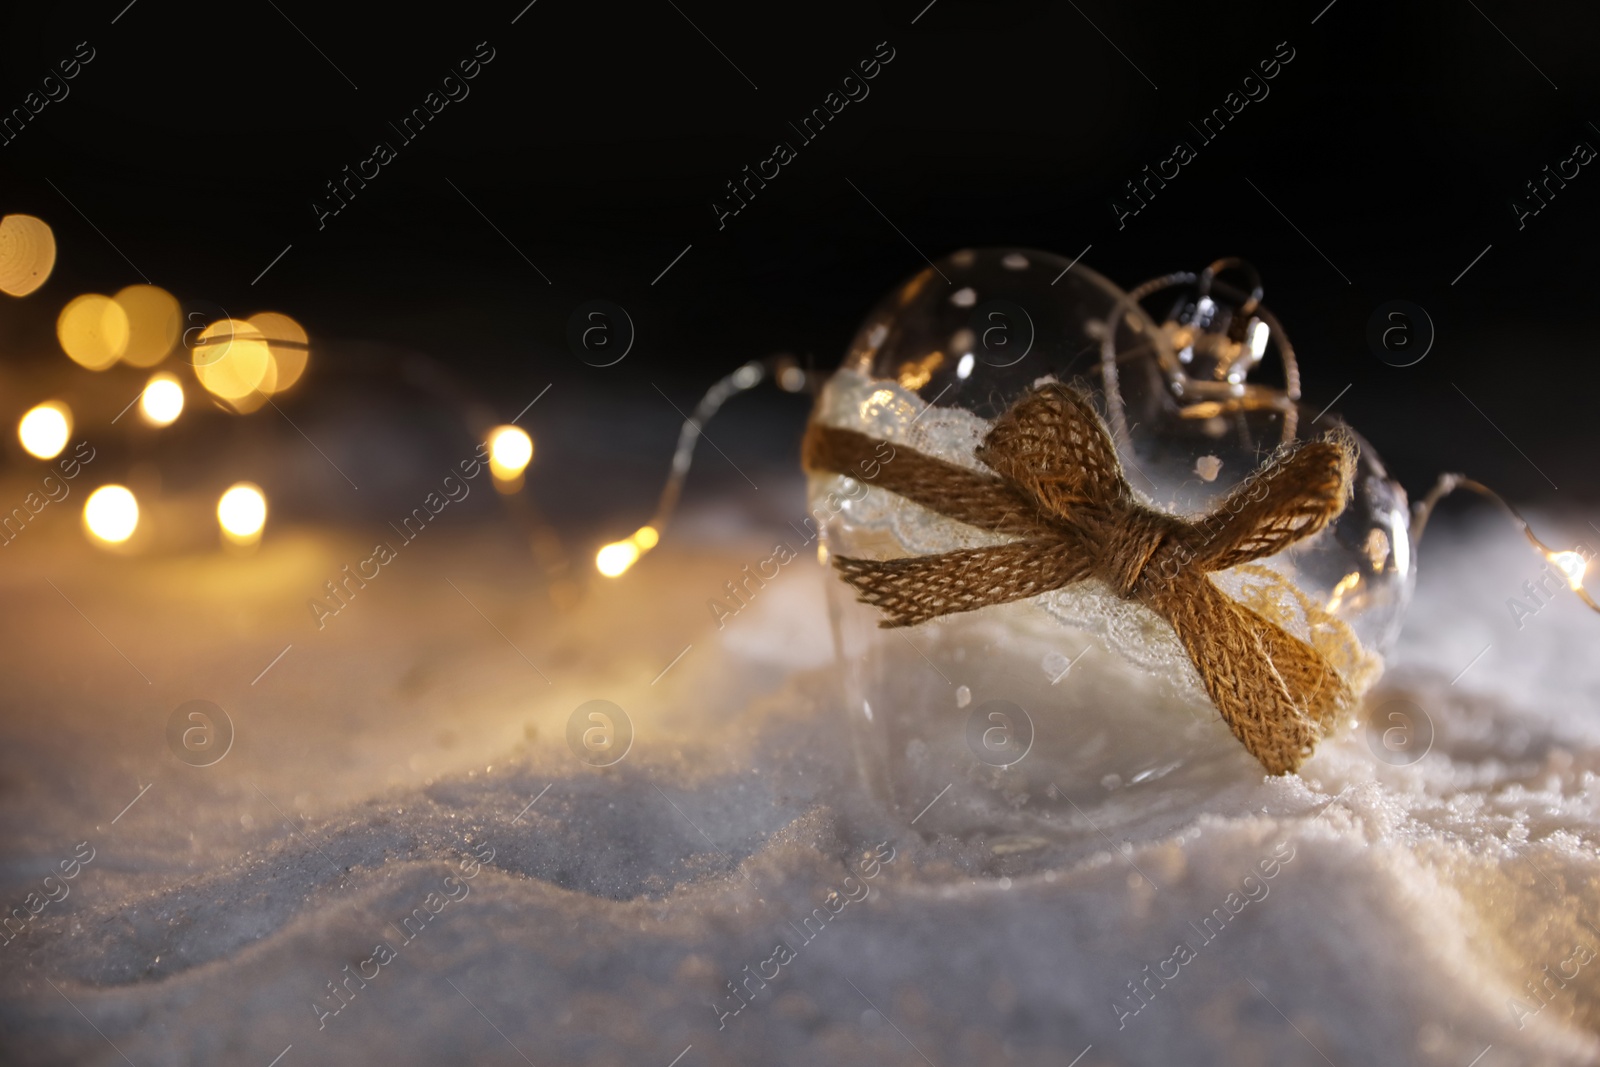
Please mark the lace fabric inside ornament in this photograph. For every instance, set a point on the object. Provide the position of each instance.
(930, 370)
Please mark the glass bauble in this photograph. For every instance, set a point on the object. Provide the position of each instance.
(1022, 719)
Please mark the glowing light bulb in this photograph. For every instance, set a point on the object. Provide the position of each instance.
(111, 514)
(27, 254)
(154, 322)
(614, 559)
(1571, 565)
(162, 400)
(242, 512)
(288, 345)
(44, 429)
(510, 450)
(93, 331)
(233, 362)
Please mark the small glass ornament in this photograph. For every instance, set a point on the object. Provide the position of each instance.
(1063, 705)
(1009, 722)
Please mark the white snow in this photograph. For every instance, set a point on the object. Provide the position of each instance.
(385, 756)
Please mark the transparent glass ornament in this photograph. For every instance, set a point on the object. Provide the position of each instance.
(1011, 724)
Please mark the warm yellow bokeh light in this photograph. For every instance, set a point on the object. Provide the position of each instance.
(93, 331)
(154, 322)
(242, 512)
(288, 344)
(111, 513)
(510, 449)
(231, 359)
(162, 400)
(44, 430)
(257, 397)
(268, 386)
(615, 558)
(27, 254)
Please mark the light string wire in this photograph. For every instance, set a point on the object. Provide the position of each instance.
(614, 559)
(1568, 562)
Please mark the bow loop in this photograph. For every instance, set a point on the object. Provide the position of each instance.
(1292, 496)
(1054, 447)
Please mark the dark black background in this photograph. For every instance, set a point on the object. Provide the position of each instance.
(198, 138)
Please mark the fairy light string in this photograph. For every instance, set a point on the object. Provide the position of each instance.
(1570, 563)
(1252, 327)
(613, 560)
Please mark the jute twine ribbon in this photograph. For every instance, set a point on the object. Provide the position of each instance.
(1059, 489)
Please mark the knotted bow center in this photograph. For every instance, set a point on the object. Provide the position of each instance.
(1129, 550)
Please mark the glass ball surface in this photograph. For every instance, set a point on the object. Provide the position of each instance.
(1039, 711)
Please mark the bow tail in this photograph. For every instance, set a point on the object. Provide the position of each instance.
(918, 588)
(1277, 693)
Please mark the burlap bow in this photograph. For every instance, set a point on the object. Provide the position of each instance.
(1059, 489)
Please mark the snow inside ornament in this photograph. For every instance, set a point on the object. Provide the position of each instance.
(1080, 696)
